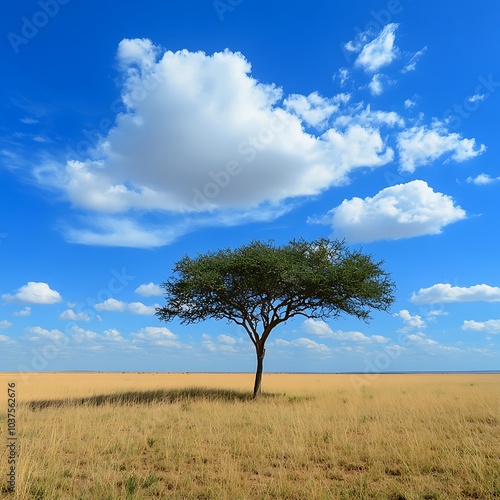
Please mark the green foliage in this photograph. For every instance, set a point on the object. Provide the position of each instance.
(260, 284)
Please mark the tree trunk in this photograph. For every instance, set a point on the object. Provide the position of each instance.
(260, 365)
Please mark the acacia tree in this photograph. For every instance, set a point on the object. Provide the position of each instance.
(260, 285)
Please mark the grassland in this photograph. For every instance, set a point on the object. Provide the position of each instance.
(119, 436)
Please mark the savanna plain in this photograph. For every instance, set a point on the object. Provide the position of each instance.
(202, 436)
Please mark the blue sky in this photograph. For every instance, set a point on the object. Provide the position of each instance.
(132, 134)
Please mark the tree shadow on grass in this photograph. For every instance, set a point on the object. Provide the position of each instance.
(158, 396)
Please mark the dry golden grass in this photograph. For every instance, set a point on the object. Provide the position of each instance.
(118, 436)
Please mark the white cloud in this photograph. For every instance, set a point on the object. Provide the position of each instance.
(155, 332)
(420, 339)
(359, 146)
(490, 326)
(380, 339)
(208, 343)
(477, 98)
(140, 308)
(226, 339)
(39, 333)
(400, 211)
(6, 339)
(81, 335)
(379, 52)
(411, 322)
(114, 305)
(314, 109)
(396, 349)
(368, 118)
(111, 305)
(419, 146)
(413, 61)
(149, 290)
(23, 312)
(69, 314)
(376, 86)
(202, 111)
(28, 120)
(34, 293)
(444, 292)
(136, 52)
(303, 343)
(196, 144)
(104, 230)
(437, 312)
(342, 76)
(319, 327)
(410, 104)
(5, 324)
(482, 180)
(113, 335)
(155, 335)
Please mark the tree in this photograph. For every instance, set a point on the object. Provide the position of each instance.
(260, 285)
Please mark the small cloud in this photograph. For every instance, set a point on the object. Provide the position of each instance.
(396, 349)
(314, 109)
(23, 312)
(34, 293)
(82, 335)
(476, 98)
(376, 87)
(490, 326)
(111, 305)
(413, 61)
(149, 290)
(69, 314)
(113, 335)
(160, 336)
(420, 339)
(40, 138)
(303, 343)
(226, 339)
(444, 292)
(140, 308)
(420, 146)
(437, 312)
(411, 322)
(207, 343)
(320, 328)
(379, 52)
(410, 104)
(380, 339)
(28, 120)
(482, 180)
(5, 324)
(39, 333)
(342, 76)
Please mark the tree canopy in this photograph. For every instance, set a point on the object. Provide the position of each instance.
(260, 285)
